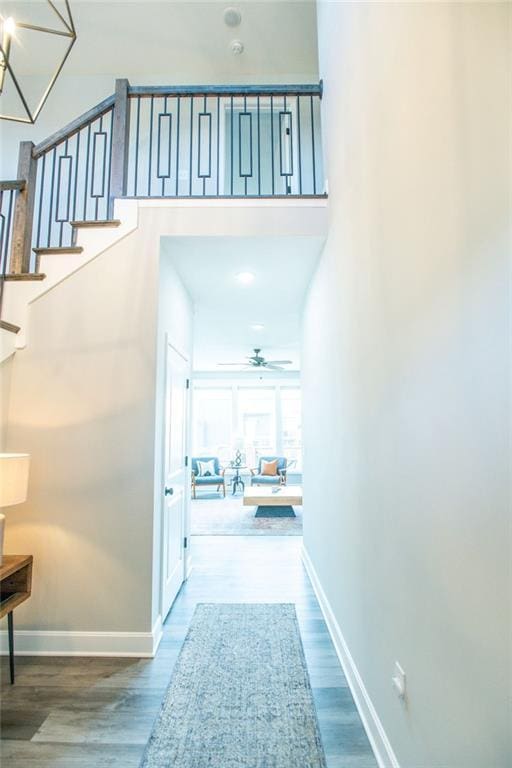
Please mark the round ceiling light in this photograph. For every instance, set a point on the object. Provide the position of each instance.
(258, 327)
(232, 17)
(245, 278)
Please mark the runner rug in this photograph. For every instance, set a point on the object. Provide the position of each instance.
(239, 696)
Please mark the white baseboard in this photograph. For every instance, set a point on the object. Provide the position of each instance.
(379, 741)
(56, 643)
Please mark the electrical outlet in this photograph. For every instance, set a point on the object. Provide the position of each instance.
(398, 681)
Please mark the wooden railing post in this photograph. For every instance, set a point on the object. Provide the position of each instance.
(21, 249)
(120, 142)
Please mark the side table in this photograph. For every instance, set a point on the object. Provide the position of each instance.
(15, 588)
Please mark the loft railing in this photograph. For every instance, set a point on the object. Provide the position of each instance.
(165, 142)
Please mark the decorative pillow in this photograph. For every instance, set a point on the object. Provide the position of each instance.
(269, 468)
(206, 468)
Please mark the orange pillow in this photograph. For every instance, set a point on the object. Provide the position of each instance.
(269, 468)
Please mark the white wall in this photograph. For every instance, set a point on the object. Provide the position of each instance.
(408, 320)
(82, 403)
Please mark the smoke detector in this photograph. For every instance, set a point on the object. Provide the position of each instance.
(232, 17)
(237, 47)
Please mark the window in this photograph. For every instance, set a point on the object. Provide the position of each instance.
(257, 422)
(291, 417)
(212, 423)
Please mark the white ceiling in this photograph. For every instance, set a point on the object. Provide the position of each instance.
(224, 309)
(187, 38)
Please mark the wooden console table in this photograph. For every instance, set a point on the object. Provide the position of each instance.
(15, 588)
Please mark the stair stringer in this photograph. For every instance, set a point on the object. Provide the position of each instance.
(18, 296)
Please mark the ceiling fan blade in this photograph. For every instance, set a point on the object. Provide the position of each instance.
(280, 362)
(273, 367)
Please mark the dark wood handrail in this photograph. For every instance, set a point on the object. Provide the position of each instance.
(18, 184)
(73, 127)
(312, 89)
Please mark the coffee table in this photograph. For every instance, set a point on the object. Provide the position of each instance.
(273, 501)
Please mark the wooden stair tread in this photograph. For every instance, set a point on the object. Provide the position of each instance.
(9, 326)
(98, 223)
(64, 249)
(26, 276)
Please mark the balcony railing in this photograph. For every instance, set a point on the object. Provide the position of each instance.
(167, 142)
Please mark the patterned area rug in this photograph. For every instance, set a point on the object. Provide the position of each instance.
(214, 516)
(239, 696)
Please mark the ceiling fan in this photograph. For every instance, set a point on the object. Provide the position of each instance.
(258, 361)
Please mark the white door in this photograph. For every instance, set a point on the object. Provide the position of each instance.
(174, 494)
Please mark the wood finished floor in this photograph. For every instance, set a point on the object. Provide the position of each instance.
(96, 712)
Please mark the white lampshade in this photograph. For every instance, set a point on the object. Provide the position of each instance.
(13, 478)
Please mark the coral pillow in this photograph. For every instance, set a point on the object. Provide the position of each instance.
(269, 468)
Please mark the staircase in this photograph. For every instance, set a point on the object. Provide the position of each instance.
(76, 191)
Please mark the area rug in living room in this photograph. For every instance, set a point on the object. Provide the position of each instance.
(211, 515)
(240, 695)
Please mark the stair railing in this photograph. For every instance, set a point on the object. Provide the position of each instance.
(165, 142)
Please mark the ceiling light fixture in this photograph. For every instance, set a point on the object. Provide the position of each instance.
(245, 278)
(232, 17)
(64, 27)
(258, 327)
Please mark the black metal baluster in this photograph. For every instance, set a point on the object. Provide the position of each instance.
(51, 197)
(109, 173)
(137, 136)
(58, 218)
(178, 145)
(243, 172)
(218, 146)
(77, 167)
(313, 142)
(259, 149)
(191, 140)
(2, 255)
(272, 137)
(40, 207)
(210, 149)
(232, 147)
(150, 143)
(299, 145)
(159, 141)
(87, 161)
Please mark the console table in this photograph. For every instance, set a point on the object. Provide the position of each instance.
(15, 588)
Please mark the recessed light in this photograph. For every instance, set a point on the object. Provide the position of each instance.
(257, 327)
(245, 278)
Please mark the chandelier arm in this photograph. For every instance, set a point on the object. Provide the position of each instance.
(18, 88)
(23, 25)
(71, 22)
(61, 17)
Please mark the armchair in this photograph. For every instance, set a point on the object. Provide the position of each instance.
(257, 478)
(199, 481)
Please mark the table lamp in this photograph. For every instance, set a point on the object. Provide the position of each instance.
(13, 485)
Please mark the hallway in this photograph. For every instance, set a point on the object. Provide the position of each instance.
(99, 712)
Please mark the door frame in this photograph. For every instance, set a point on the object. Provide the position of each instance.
(187, 560)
